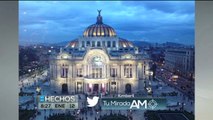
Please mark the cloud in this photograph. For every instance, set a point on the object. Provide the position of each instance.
(55, 21)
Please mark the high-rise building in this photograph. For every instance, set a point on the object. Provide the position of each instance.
(180, 60)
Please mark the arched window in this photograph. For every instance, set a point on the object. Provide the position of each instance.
(97, 67)
(113, 72)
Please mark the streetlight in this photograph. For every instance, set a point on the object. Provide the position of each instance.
(114, 84)
(148, 87)
(150, 74)
(149, 90)
(38, 90)
(147, 73)
(182, 105)
(174, 78)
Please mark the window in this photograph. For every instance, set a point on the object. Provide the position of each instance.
(128, 70)
(98, 44)
(108, 44)
(96, 72)
(83, 44)
(100, 69)
(88, 43)
(113, 72)
(97, 67)
(144, 69)
(103, 43)
(93, 43)
(79, 72)
(113, 44)
(64, 71)
(93, 73)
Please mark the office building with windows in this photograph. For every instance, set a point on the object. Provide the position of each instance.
(180, 61)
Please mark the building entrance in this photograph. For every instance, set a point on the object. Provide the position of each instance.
(64, 88)
(128, 89)
(95, 88)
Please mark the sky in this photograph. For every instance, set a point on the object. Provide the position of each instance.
(150, 21)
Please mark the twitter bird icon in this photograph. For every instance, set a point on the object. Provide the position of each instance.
(92, 102)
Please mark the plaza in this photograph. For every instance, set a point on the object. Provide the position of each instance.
(86, 113)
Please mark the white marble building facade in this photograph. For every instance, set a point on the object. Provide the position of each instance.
(98, 62)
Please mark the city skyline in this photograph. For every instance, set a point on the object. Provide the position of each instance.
(141, 21)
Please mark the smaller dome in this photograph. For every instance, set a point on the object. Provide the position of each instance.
(125, 43)
(99, 29)
(72, 44)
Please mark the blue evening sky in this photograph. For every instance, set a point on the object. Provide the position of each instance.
(53, 22)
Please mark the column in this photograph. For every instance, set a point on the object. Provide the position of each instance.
(99, 87)
(74, 71)
(104, 87)
(90, 71)
(82, 87)
(119, 71)
(133, 70)
(122, 71)
(118, 87)
(58, 71)
(85, 87)
(107, 71)
(70, 71)
(92, 88)
(88, 74)
(75, 86)
(143, 72)
(136, 71)
(104, 71)
(84, 70)
(140, 69)
(52, 71)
